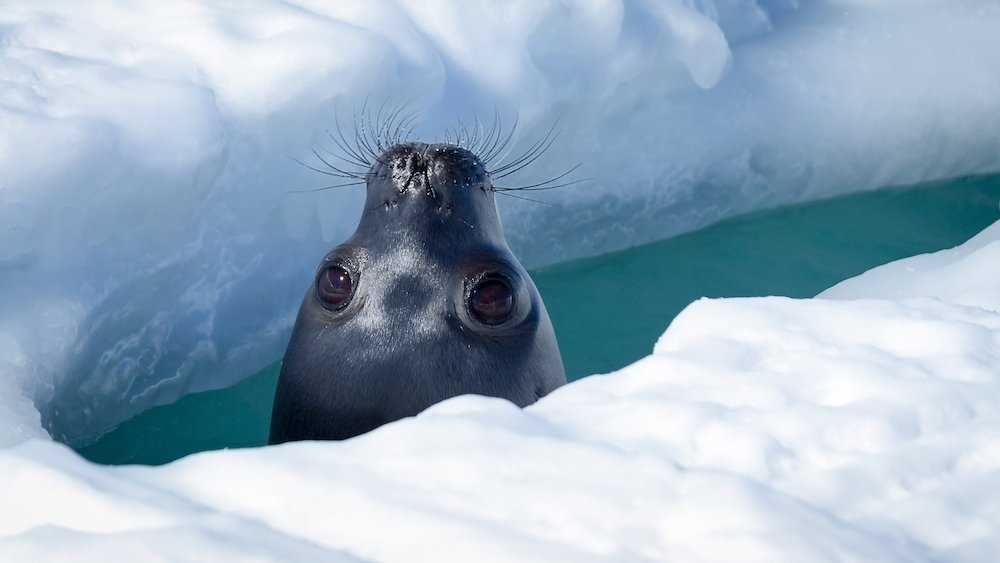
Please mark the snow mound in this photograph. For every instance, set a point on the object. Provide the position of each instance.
(150, 247)
(764, 429)
(966, 275)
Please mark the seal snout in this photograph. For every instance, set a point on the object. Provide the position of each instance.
(429, 169)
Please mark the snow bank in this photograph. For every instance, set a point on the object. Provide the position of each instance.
(149, 246)
(965, 275)
(766, 429)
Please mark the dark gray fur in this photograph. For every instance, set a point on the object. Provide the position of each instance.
(406, 339)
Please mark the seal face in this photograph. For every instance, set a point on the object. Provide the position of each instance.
(424, 302)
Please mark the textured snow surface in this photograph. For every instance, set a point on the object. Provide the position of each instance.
(149, 247)
(765, 429)
(959, 275)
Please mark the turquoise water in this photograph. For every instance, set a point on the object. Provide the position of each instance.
(609, 310)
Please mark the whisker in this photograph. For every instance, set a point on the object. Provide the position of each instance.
(377, 126)
(526, 198)
(534, 147)
(478, 131)
(460, 133)
(339, 156)
(492, 138)
(543, 188)
(404, 130)
(528, 160)
(569, 171)
(387, 130)
(361, 133)
(346, 146)
(337, 169)
(529, 156)
(401, 125)
(324, 172)
(550, 180)
(498, 150)
(324, 188)
(376, 130)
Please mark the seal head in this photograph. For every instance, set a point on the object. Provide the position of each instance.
(424, 302)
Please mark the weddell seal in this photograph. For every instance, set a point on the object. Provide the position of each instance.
(425, 301)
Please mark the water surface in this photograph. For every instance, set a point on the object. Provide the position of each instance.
(609, 310)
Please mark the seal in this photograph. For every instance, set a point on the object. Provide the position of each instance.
(425, 301)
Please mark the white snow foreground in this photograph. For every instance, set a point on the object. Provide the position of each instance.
(148, 247)
(766, 429)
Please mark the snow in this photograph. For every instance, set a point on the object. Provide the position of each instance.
(150, 247)
(961, 275)
(860, 426)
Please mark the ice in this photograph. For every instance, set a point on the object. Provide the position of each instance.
(150, 247)
(860, 427)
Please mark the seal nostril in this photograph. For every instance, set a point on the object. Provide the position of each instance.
(418, 163)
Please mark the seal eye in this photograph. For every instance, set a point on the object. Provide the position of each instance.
(335, 287)
(491, 301)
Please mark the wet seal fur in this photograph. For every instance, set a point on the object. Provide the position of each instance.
(406, 337)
